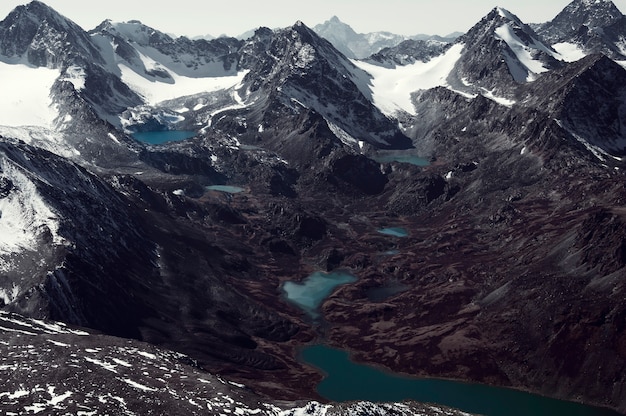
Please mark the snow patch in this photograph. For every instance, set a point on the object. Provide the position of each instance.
(58, 344)
(9, 296)
(122, 362)
(305, 56)
(76, 75)
(137, 385)
(342, 135)
(568, 52)
(506, 14)
(107, 366)
(15, 395)
(115, 139)
(500, 100)
(147, 355)
(26, 95)
(596, 150)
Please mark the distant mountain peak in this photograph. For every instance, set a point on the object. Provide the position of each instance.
(353, 44)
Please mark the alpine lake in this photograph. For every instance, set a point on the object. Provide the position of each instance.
(161, 137)
(346, 380)
(401, 157)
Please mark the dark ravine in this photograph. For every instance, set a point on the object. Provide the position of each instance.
(512, 270)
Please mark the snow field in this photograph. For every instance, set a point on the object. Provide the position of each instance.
(26, 95)
(391, 88)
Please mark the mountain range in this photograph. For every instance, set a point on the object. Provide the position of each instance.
(363, 45)
(131, 259)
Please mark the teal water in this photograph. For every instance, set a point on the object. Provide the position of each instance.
(402, 158)
(225, 188)
(346, 381)
(310, 294)
(160, 137)
(382, 293)
(394, 231)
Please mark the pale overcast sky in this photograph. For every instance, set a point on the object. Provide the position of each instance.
(234, 17)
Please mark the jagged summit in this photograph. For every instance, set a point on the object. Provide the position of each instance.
(500, 52)
(288, 73)
(506, 14)
(39, 35)
(581, 19)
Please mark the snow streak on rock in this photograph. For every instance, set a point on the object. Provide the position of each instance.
(25, 219)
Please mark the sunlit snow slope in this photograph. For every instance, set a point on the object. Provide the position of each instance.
(26, 95)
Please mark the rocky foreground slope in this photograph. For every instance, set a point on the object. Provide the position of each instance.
(50, 368)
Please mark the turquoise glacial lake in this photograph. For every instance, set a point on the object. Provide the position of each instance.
(394, 231)
(225, 188)
(160, 137)
(310, 294)
(401, 158)
(346, 381)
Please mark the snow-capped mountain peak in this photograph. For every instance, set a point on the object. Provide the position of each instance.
(501, 52)
(507, 14)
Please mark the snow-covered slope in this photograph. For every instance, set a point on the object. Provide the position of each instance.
(159, 68)
(501, 52)
(26, 220)
(26, 97)
(392, 87)
(495, 56)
